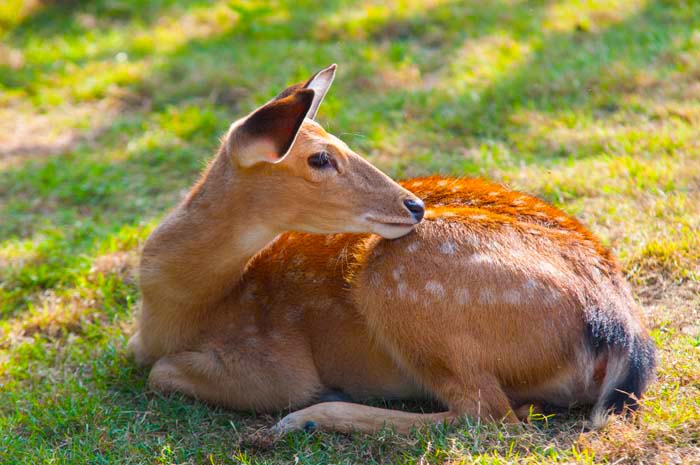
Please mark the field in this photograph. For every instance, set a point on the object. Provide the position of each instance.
(110, 108)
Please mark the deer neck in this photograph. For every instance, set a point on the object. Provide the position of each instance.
(198, 254)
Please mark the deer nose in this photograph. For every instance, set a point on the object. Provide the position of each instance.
(416, 207)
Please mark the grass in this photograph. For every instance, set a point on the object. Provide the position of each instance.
(109, 108)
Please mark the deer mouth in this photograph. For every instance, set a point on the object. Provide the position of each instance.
(396, 224)
(390, 229)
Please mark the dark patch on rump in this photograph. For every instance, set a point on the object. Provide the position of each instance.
(607, 336)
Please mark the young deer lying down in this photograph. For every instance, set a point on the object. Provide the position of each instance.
(495, 302)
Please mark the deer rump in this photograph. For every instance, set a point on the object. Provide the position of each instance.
(498, 296)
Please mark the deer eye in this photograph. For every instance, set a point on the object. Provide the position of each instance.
(320, 160)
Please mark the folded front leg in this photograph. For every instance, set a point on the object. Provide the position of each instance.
(237, 382)
(346, 417)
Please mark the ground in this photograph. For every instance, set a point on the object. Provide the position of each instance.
(109, 109)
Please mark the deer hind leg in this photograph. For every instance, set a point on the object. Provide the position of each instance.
(478, 395)
(485, 399)
(238, 383)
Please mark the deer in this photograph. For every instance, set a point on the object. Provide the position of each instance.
(295, 276)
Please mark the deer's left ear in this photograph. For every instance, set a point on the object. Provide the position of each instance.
(267, 134)
(319, 83)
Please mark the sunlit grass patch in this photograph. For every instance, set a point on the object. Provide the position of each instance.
(678, 256)
(367, 21)
(479, 62)
(13, 12)
(589, 15)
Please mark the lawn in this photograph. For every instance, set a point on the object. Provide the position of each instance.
(110, 108)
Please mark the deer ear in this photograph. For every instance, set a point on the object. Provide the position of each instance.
(319, 83)
(267, 134)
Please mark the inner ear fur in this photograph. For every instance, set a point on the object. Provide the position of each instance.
(269, 132)
(320, 82)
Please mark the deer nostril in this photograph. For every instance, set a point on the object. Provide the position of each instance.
(416, 207)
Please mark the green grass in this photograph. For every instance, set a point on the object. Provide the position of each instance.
(109, 108)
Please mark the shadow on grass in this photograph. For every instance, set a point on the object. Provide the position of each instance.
(62, 17)
(574, 69)
(566, 72)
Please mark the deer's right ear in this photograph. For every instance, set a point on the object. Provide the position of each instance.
(319, 83)
(267, 134)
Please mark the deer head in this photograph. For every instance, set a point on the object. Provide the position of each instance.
(301, 178)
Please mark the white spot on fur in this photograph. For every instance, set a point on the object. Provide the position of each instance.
(412, 247)
(448, 214)
(462, 295)
(396, 273)
(531, 286)
(448, 248)
(511, 296)
(442, 183)
(486, 296)
(435, 288)
(417, 183)
(478, 259)
(494, 194)
(401, 289)
(478, 217)
(455, 189)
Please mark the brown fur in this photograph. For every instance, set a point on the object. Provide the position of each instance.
(482, 306)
